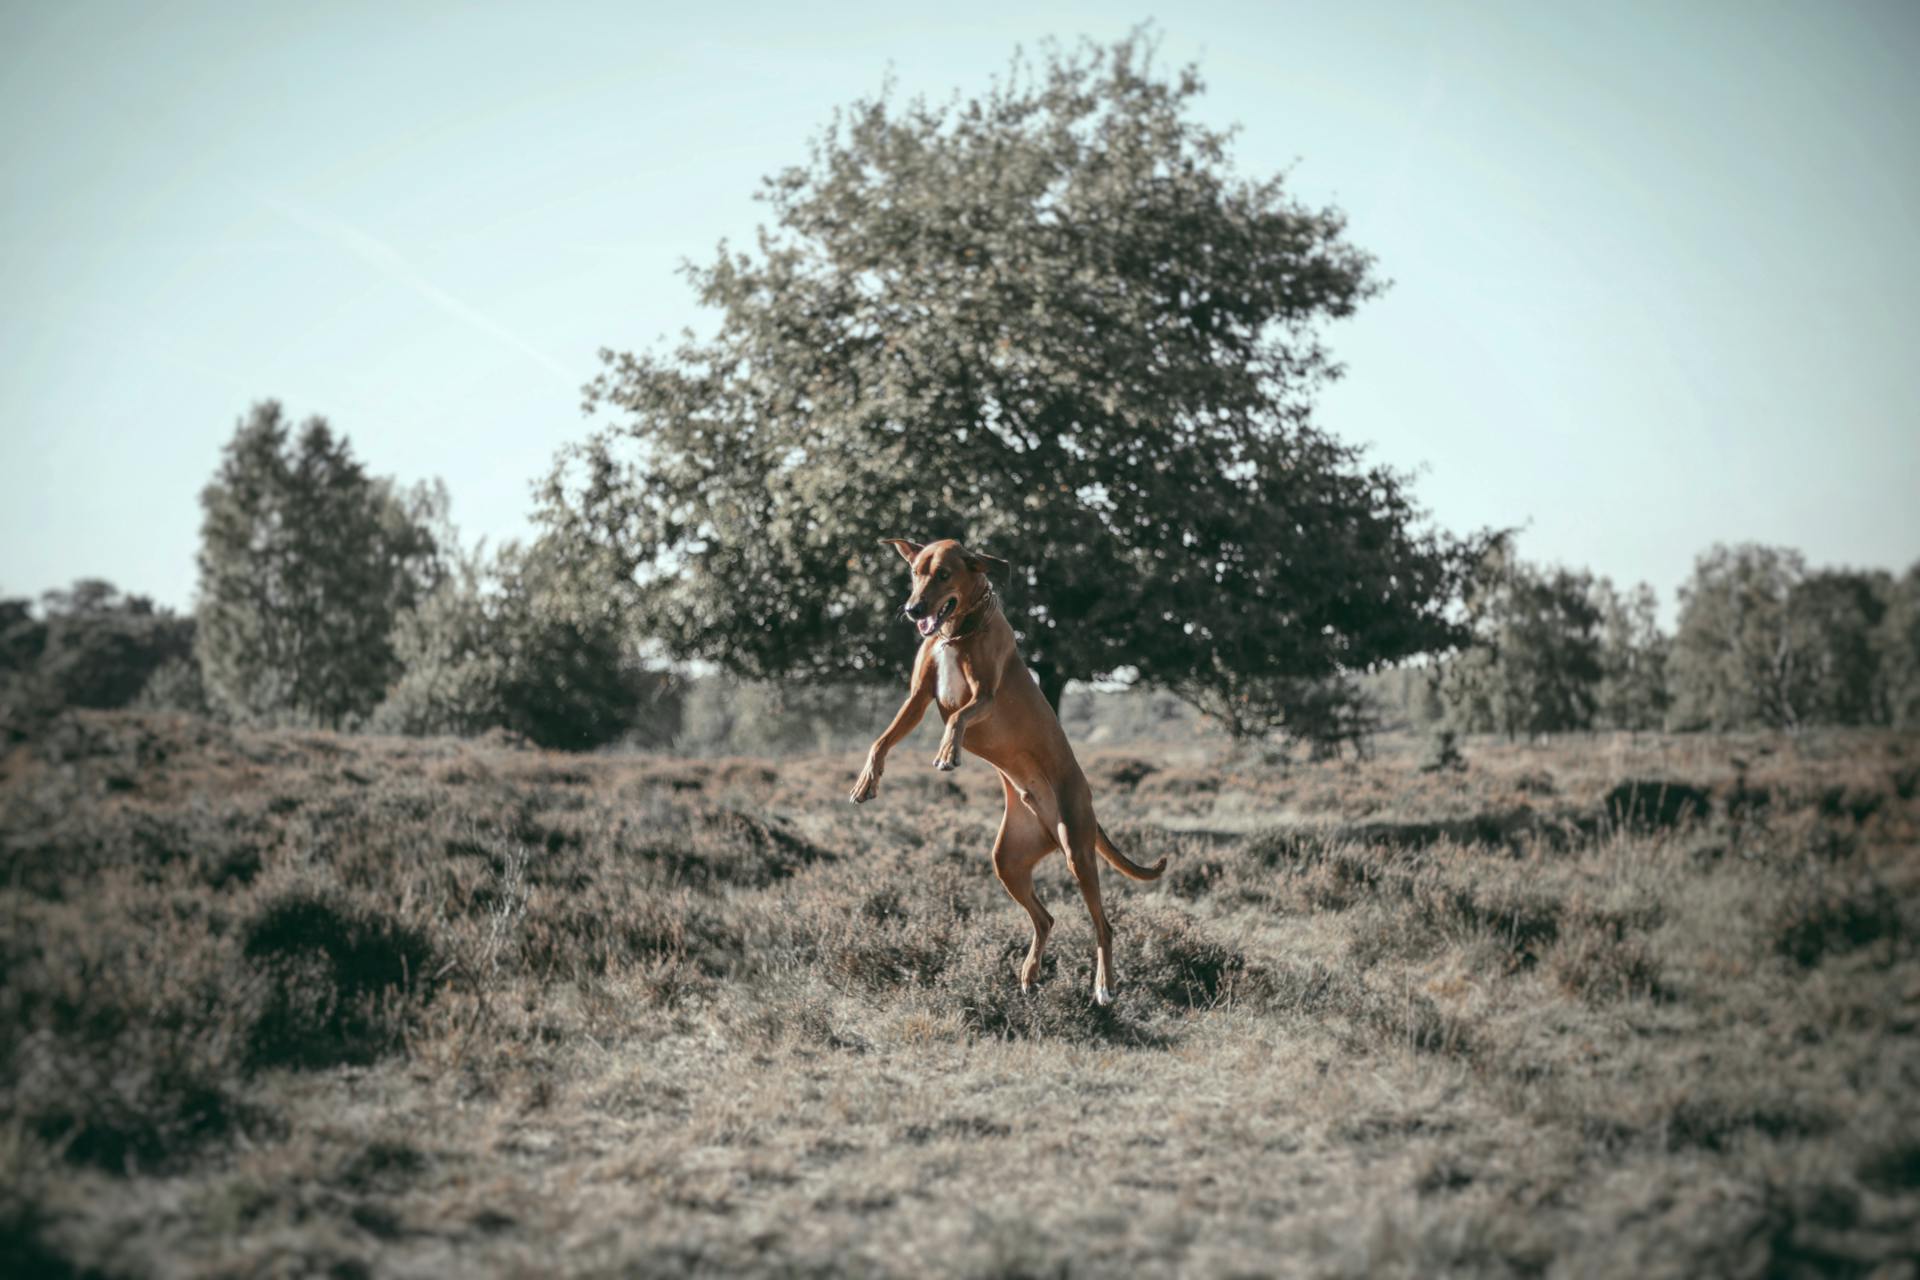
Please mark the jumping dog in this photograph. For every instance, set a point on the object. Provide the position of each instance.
(970, 668)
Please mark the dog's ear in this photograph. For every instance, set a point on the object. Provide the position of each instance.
(980, 562)
(908, 550)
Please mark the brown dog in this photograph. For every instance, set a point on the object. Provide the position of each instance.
(969, 665)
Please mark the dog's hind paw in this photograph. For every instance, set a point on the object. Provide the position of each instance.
(1102, 996)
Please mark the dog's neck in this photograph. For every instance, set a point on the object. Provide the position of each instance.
(969, 620)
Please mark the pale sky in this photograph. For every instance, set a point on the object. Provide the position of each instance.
(1657, 267)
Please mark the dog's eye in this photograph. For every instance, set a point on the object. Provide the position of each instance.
(943, 575)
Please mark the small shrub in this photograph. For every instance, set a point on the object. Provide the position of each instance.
(570, 935)
(744, 849)
(1166, 955)
(884, 938)
(1600, 966)
(118, 1042)
(700, 847)
(145, 1098)
(1893, 1166)
(174, 686)
(1855, 802)
(24, 1249)
(339, 977)
(1713, 1122)
(1825, 919)
(1283, 847)
(1522, 923)
(884, 957)
(1192, 878)
(1407, 1019)
(1647, 804)
(1127, 771)
(382, 1165)
(1339, 881)
(982, 984)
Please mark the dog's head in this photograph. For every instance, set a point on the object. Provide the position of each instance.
(947, 578)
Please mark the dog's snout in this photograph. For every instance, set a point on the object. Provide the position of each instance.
(916, 609)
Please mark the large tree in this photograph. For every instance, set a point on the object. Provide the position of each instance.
(1052, 321)
(305, 562)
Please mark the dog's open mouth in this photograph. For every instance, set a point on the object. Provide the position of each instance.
(932, 621)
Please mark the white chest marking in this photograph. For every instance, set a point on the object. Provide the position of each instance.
(952, 686)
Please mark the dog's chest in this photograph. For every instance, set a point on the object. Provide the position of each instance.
(950, 686)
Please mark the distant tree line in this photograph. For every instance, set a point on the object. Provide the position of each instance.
(332, 598)
(1761, 642)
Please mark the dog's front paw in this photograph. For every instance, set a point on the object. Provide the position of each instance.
(866, 788)
(947, 759)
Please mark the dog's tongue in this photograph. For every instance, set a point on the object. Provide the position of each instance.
(927, 624)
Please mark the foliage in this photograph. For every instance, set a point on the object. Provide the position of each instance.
(513, 644)
(450, 676)
(1763, 643)
(1733, 661)
(1051, 321)
(1328, 713)
(1896, 644)
(1535, 663)
(175, 685)
(1632, 692)
(90, 646)
(305, 564)
(1834, 615)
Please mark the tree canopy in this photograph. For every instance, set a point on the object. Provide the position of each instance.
(1536, 660)
(1054, 322)
(1896, 646)
(305, 563)
(1633, 658)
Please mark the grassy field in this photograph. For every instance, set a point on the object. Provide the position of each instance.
(276, 1004)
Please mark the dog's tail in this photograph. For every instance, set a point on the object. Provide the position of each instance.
(1121, 862)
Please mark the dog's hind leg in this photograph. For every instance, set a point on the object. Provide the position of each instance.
(1077, 838)
(1019, 847)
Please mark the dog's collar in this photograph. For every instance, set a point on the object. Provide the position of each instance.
(987, 597)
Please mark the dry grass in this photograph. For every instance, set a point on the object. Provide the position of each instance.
(290, 1003)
